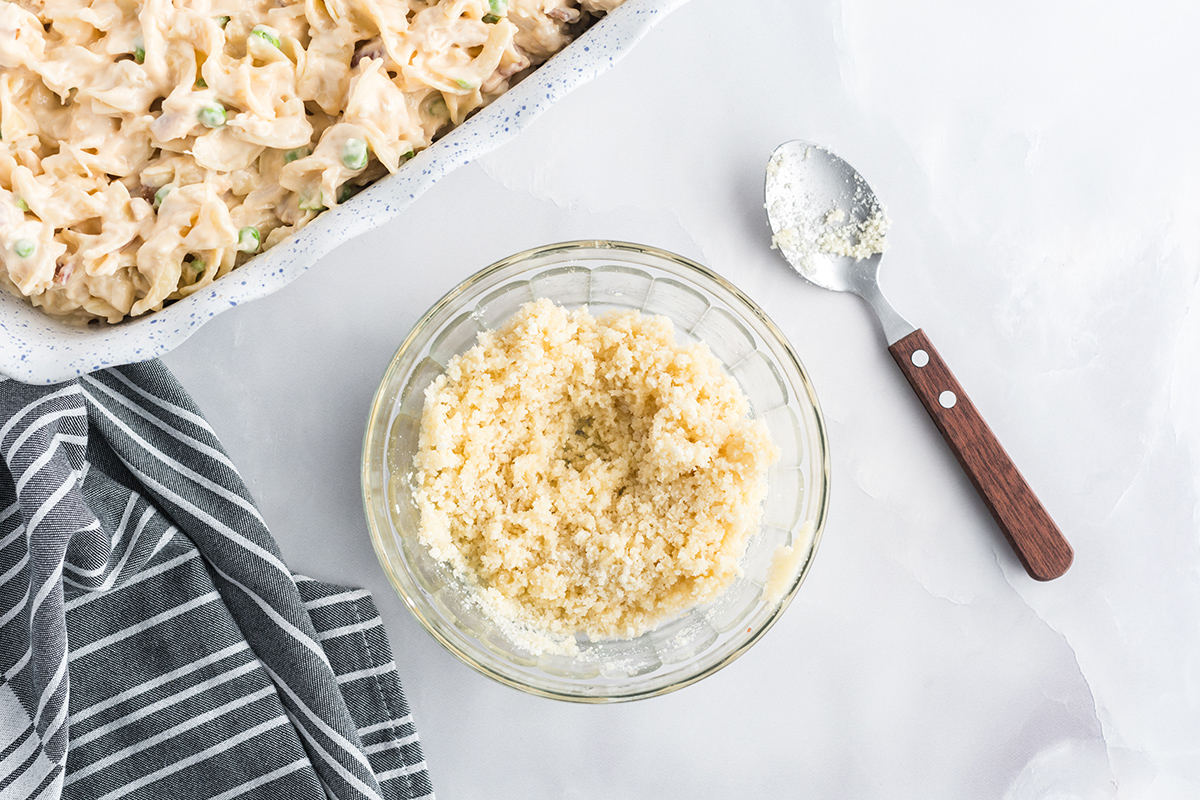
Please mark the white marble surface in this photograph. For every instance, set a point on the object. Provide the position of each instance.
(1041, 164)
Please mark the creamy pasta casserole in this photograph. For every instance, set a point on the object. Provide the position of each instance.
(148, 147)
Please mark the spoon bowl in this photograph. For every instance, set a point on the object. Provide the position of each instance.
(820, 208)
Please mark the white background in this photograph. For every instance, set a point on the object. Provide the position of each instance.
(1041, 165)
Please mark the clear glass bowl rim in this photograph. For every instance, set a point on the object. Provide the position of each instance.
(565, 248)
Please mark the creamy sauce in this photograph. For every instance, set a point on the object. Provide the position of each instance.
(148, 148)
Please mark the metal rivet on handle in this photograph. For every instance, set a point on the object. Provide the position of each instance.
(920, 358)
(947, 399)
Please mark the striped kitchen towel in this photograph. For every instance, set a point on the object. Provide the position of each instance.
(152, 642)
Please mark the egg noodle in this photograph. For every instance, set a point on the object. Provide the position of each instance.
(148, 147)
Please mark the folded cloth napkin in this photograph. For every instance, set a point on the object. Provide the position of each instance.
(152, 641)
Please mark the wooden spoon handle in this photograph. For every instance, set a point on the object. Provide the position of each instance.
(1037, 541)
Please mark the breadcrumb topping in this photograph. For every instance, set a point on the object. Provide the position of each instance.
(590, 474)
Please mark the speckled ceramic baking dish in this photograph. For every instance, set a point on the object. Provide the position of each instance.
(37, 349)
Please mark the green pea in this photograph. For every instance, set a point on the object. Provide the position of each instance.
(490, 19)
(21, 204)
(222, 21)
(212, 116)
(139, 50)
(268, 33)
(161, 195)
(498, 7)
(201, 83)
(198, 265)
(292, 155)
(24, 248)
(311, 204)
(465, 84)
(249, 239)
(354, 154)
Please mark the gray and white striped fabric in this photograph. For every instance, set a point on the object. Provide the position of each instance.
(152, 641)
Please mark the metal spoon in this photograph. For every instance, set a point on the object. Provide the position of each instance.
(824, 214)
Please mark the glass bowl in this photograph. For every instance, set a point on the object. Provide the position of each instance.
(703, 307)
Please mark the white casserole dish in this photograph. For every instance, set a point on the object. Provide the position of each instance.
(35, 348)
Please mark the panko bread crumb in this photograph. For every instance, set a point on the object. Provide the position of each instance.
(590, 474)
